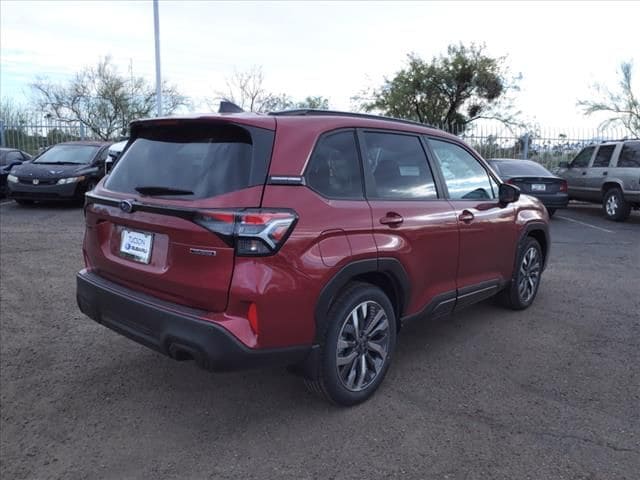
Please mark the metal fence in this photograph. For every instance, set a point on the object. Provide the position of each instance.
(33, 136)
(546, 146)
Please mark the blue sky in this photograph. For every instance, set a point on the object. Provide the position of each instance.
(329, 48)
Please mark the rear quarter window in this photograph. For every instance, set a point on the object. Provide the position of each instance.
(206, 159)
(630, 155)
(334, 168)
(603, 157)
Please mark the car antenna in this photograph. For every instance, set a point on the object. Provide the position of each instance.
(229, 107)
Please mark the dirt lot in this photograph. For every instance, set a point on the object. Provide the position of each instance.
(549, 393)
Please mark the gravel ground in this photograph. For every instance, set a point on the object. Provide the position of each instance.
(549, 393)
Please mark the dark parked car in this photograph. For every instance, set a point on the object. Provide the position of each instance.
(63, 172)
(533, 179)
(300, 238)
(9, 158)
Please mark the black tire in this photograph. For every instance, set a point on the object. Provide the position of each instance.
(23, 202)
(330, 382)
(614, 205)
(551, 211)
(78, 198)
(513, 295)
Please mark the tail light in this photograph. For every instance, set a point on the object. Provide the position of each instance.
(563, 186)
(252, 232)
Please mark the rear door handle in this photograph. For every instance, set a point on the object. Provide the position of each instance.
(392, 218)
(584, 173)
(605, 173)
(466, 216)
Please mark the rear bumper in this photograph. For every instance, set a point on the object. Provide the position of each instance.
(554, 200)
(173, 330)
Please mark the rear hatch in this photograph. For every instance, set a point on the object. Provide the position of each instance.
(162, 220)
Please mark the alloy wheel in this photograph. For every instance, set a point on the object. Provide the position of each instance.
(612, 205)
(529, 274)
(363, 346)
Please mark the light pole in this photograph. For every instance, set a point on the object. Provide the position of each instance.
(156, 31)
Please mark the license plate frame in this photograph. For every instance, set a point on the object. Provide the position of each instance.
(136, 245)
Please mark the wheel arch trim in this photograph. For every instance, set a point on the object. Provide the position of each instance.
(526, 232)
(391, 268)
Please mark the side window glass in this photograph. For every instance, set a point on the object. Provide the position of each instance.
(399, 167)
(630, 155)
(603, 157)
(334, 168)
(582, 159)
(465, 177)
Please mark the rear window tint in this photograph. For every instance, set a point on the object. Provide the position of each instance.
(519, 168)
(208, 160)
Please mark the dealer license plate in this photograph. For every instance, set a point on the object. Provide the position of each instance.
(136, 245)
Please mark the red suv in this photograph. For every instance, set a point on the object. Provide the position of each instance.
(300, 238)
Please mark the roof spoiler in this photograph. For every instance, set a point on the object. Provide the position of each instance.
(229, 107)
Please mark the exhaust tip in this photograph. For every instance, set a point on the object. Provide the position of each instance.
(183, 353)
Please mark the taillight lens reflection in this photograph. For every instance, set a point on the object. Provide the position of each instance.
(251, 232)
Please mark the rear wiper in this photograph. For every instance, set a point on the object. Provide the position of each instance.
(151, 190)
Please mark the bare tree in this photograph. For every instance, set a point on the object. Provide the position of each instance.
(623, 104)
(103, 100)
(246, 89)
(14, 113)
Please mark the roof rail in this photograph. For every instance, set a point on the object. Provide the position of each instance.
(316, 112)
(626, 139)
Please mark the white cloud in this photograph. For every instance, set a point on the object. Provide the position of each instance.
(331, 49)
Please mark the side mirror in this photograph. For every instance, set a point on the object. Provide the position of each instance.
(564, 165)
(508, 193)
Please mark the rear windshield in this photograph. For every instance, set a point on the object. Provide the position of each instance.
(519, 168)
(207, 160)
(68, 154)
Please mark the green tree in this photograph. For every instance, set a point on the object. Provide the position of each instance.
(450, 90)
(623, 105)
(316, 103)
(104, 100)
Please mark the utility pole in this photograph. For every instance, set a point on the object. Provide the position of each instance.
(156, 31)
